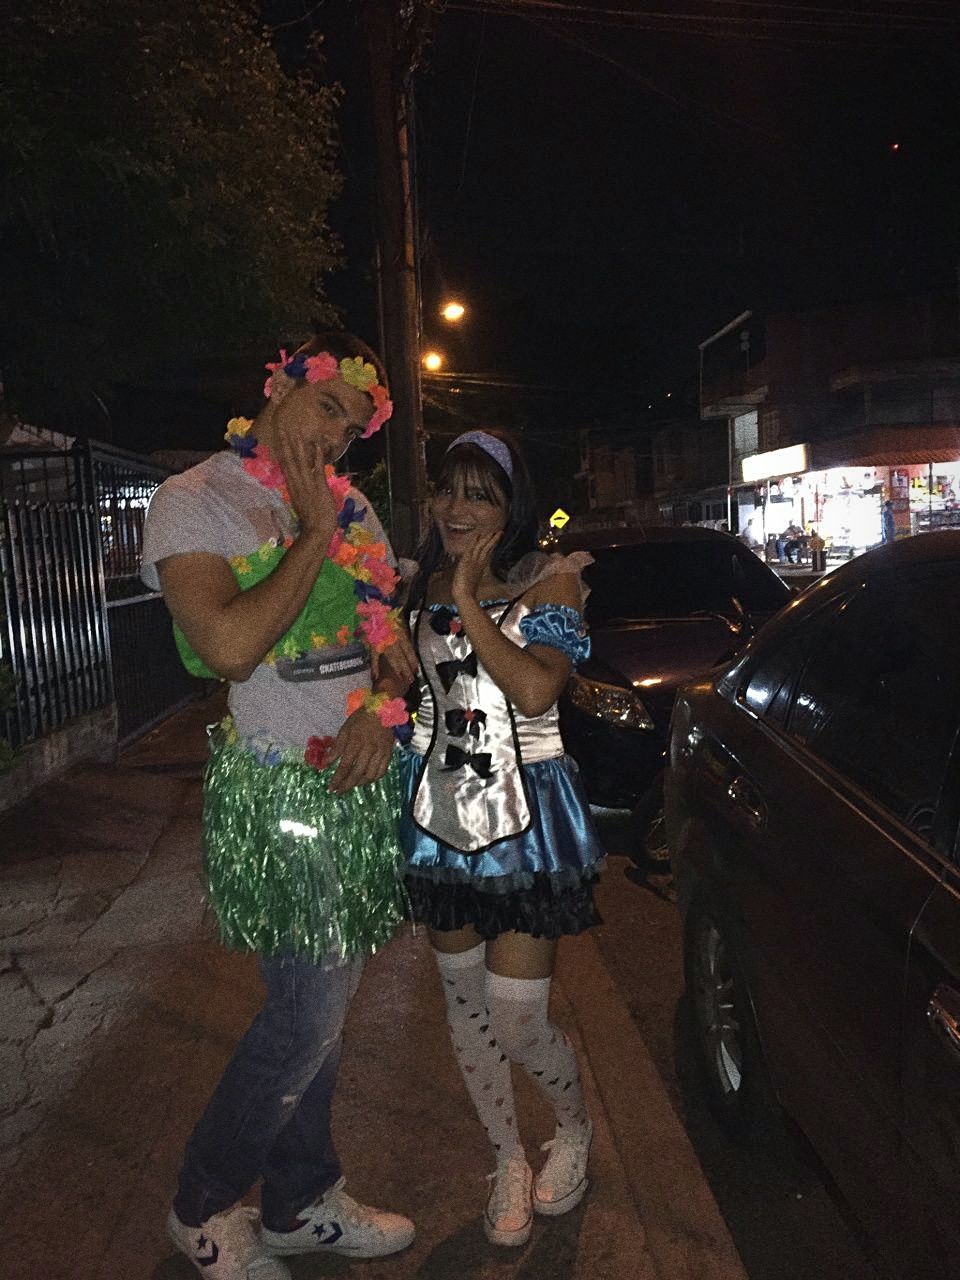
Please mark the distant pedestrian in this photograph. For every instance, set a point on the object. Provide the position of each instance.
(278, 577)
(789, 544)
(888, 522)
(818, 552)
(501, 847)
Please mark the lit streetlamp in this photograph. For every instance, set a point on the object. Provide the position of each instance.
(453, 311)
(432, 361)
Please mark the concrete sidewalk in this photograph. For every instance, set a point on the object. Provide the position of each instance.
(118, 1010)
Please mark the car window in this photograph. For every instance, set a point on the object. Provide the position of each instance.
(756, 587)
(879, 695)
(672, 580)
(770, 680)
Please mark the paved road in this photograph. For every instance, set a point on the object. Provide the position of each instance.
(118, 1011)
(786, 1226)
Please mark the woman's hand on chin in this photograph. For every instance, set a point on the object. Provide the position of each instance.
(471, 567)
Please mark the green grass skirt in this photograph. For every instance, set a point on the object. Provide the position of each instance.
(292, 869)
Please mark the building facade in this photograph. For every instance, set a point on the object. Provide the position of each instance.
(829, 415)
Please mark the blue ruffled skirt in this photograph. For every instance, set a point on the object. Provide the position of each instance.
(540, 882)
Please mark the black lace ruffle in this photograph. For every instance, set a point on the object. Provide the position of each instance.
(547, 909)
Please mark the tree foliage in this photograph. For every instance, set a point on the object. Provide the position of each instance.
(164, 192)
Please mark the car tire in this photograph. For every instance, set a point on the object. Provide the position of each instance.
(648, 832)
(723, 1032)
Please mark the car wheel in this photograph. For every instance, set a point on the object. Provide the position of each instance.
(649, 848)
(724, 1036)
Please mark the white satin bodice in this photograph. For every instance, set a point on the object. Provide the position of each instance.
(539, 736)
(471, 791)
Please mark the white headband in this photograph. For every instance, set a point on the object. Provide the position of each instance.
(497, 450)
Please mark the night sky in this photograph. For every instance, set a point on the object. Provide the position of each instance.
(605, 189)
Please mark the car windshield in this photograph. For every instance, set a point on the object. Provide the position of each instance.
(676, 579)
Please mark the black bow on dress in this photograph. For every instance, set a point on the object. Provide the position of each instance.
(460, 721)
(457, 759)
(448, 671)
(440, 619)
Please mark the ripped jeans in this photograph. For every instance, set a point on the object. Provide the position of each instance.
(269, 1116)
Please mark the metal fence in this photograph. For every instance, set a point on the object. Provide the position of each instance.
(54, 629)
(123, 484)
(78, 627)
(148, 676)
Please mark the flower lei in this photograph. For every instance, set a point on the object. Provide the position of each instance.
(352, 547)
(391, 712)
(356, 551)
(354, 370)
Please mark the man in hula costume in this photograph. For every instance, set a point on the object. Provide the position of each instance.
(279, 579)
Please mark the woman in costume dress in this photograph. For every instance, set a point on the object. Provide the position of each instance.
(501, 850)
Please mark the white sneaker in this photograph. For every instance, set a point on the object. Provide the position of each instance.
(225, 1248)
(562, 1182)
(336, 1223)
(509, 1216)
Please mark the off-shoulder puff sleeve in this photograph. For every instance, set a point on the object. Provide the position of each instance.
(559, 627)
(537, 566)
(556, 625)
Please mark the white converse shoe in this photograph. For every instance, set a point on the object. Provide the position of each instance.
(225, 1248)
(509, 1216)
(562, 1182)
(336, 1223)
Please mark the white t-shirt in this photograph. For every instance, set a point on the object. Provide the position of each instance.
(218, 508)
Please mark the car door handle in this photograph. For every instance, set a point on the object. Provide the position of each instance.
(943, 1012)
(747, 799)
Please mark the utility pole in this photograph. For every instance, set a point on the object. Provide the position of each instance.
(392, 58)
(722, 333)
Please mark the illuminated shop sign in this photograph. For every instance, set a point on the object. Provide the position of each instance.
(778, 462)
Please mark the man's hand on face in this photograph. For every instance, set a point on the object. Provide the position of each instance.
(302, 463)
(363, 748)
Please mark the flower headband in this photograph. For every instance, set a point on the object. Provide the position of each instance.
(497, 450)
(286, 372)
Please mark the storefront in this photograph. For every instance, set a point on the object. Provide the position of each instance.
(844, 503)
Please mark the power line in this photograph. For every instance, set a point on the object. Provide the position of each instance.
(837, 17)
(786, 6)
(785, 43)
(782, 41)
(295, 22)
(489, 381)
(833, 21)
(473, 97)
(651, 85)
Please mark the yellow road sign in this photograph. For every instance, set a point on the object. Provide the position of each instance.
(559, 518)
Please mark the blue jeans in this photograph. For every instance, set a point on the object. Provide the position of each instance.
(269, 1116)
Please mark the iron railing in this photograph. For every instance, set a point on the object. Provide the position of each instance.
(150, 681)
(123, 484)
(54, 633)
(77, 626)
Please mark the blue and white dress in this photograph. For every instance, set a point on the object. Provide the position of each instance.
(495, 824)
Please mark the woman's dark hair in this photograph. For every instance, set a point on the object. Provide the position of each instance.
(343, 346)
(470, 463)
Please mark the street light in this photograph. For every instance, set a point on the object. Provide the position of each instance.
(432, 361)
(453, 311)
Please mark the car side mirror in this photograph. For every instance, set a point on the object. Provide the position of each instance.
(745, 622)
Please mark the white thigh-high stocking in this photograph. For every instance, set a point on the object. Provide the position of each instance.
(484, 1064)
(521, 1025)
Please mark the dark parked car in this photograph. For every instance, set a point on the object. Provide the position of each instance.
(812, 810)
(666, 604)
